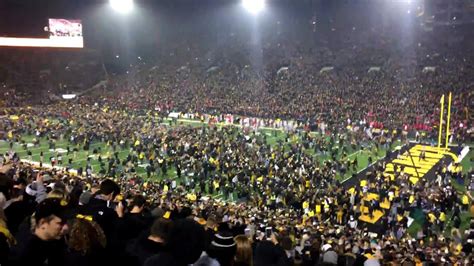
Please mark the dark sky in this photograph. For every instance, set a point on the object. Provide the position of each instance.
(151, 21)
(26, 17)
(156, 23)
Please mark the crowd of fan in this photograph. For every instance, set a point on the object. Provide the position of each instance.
(286, 207)
(229, 80)
(51, 218)
(401, 95)
(276, 187)
(38, 75)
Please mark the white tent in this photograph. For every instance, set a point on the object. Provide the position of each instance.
(427, 69)
(373, 69)
(212, 69)
(68, 96)
(282, 69)
(326, 69)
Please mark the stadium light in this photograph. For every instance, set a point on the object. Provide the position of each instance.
(254, 6)
(122, 6)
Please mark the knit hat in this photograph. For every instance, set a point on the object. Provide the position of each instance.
(223, 240)
(31, 189)
(222, 248)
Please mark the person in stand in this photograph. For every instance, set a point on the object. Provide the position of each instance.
(149, 243)
(6, 238)
(45, 244)
(86, 243)
(135, 221)
(243, 254)
(100, 207)
(184, 247)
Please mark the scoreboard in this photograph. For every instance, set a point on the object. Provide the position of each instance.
(63, 33)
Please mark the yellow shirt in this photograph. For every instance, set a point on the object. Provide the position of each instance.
(465, 200)
(305, 205)
(432, 217)
(442, 217)
(326, 206)
(318, 208)
(192, 197)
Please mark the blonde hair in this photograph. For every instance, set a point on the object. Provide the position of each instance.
(86, 236)
(243, 254)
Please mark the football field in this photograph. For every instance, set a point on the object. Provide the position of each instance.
(79, 158)
(273, 137)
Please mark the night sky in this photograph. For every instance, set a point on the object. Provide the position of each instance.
(156, 23)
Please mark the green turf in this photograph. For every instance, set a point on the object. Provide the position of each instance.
(273, 138)
(461, 188)
(419, 220)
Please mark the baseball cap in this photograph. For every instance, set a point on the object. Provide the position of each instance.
(51, 206)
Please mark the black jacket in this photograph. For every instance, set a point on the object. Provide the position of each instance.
(141, 248)
(164, 259)
(133, 224)
(4, 249)
(269, 254)
(109, 221)
(93, 258)
(32, 251)
(17, 212)
(106, 217)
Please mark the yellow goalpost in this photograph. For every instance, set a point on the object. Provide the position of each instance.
(440, 134)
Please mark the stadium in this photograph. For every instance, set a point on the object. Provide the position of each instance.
(236, 132)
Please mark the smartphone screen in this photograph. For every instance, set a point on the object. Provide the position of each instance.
(268, 232)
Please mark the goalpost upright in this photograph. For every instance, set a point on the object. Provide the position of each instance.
(440, 123)
(448, 119)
